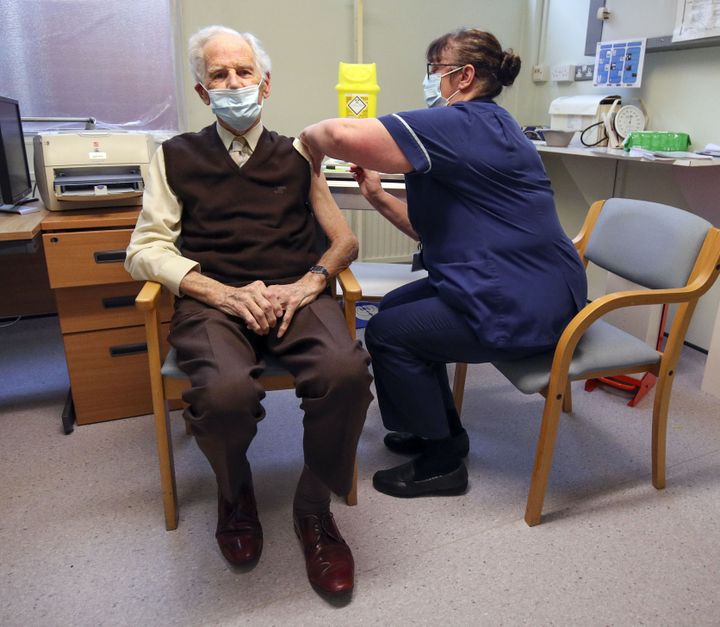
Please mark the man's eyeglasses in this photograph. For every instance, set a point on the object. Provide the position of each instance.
(431, 68)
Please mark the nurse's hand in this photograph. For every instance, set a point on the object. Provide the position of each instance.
(368, 181)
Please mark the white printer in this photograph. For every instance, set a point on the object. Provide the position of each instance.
(577, 113)
(84, 169)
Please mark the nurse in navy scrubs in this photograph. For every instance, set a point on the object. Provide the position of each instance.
(504, 279)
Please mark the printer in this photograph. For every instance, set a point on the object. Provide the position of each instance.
(85, 169)
(580, 113)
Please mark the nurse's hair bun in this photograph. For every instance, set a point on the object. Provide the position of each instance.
(509, 68)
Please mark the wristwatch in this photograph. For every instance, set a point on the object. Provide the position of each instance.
(321, 270)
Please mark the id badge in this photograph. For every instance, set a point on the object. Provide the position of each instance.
(417, 262)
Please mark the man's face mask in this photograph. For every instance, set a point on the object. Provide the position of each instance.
(431, 88)
(238, 108)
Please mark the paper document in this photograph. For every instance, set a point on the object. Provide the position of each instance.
(697, 19)
(667, 155)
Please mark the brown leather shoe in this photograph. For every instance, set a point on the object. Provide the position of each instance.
(239, 534)
(328, 559)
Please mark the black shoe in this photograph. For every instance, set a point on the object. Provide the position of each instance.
(409, 444)
(400, 481)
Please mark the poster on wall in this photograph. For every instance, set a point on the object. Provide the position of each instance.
(619, 63)
(696, 19)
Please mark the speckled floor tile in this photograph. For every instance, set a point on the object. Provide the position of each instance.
(83, 540)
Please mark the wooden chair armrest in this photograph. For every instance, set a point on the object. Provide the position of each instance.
(581, 239)
(610, 302)
(149, 296)
(349, 285)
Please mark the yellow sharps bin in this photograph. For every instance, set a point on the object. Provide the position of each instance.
(357, 90)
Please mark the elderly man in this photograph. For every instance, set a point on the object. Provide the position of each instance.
(229, 225)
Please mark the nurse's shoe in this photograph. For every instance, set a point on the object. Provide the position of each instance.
(401, 481)
(410, 444)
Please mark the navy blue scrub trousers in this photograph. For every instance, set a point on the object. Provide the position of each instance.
(411, 339)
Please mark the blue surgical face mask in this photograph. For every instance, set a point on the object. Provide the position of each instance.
(238, 108)
(431, 88)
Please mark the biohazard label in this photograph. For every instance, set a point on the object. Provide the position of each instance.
(358, 105)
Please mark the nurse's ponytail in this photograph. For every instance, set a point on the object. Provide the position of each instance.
(494, 68)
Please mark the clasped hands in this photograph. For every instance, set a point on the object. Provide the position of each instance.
(261, 306)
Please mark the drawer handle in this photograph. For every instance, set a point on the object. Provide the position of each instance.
(114, 302)
(128, 349)
(110, 256)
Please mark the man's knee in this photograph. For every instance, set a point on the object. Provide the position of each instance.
(343, 371)
(225, 398)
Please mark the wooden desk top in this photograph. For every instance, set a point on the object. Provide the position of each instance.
(14, 227)
(90, 219)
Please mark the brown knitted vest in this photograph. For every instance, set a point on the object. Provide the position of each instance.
(243, 224)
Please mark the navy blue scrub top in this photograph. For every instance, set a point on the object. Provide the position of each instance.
(482, 204)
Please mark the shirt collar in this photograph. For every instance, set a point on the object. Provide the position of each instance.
(251, 137)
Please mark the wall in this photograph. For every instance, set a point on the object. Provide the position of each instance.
(306, 40)
(677, 89)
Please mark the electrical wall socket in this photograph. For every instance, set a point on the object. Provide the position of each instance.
(540, 73)
(562, 73)
(584, 72)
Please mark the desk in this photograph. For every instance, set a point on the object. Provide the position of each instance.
(379, 241)
(103, 333)
(25, 287)
(94, 296)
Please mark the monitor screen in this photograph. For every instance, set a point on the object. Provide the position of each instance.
(15, 182)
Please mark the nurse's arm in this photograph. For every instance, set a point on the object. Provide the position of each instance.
(365, 142)
(394, 209)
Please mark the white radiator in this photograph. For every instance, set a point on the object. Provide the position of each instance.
(379, 240)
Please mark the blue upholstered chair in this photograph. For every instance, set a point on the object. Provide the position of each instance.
(672, 253)
(168, 382)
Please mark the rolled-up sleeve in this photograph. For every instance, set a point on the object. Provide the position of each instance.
(152, 254)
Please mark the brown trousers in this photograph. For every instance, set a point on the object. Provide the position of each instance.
(223, 359)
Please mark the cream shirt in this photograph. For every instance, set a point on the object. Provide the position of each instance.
(152, 254)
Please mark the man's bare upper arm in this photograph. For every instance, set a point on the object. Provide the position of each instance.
(327, 213)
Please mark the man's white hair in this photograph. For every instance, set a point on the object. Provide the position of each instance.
(196, 45)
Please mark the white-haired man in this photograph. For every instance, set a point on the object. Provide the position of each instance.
(229, 225)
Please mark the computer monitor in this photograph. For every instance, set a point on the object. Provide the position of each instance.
(15, 183)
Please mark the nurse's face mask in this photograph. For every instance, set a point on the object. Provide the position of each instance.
(238, 108)
(431, 88)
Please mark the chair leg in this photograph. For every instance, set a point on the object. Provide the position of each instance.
(459, 386)
(659, 429)
(567, 400)
(543, 459)
(351, 497)
(163, 439)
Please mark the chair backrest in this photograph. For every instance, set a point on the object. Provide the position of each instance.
(650, 244)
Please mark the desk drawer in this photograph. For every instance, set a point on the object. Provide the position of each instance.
(109, 374)
(86, 257)
(104, 307)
